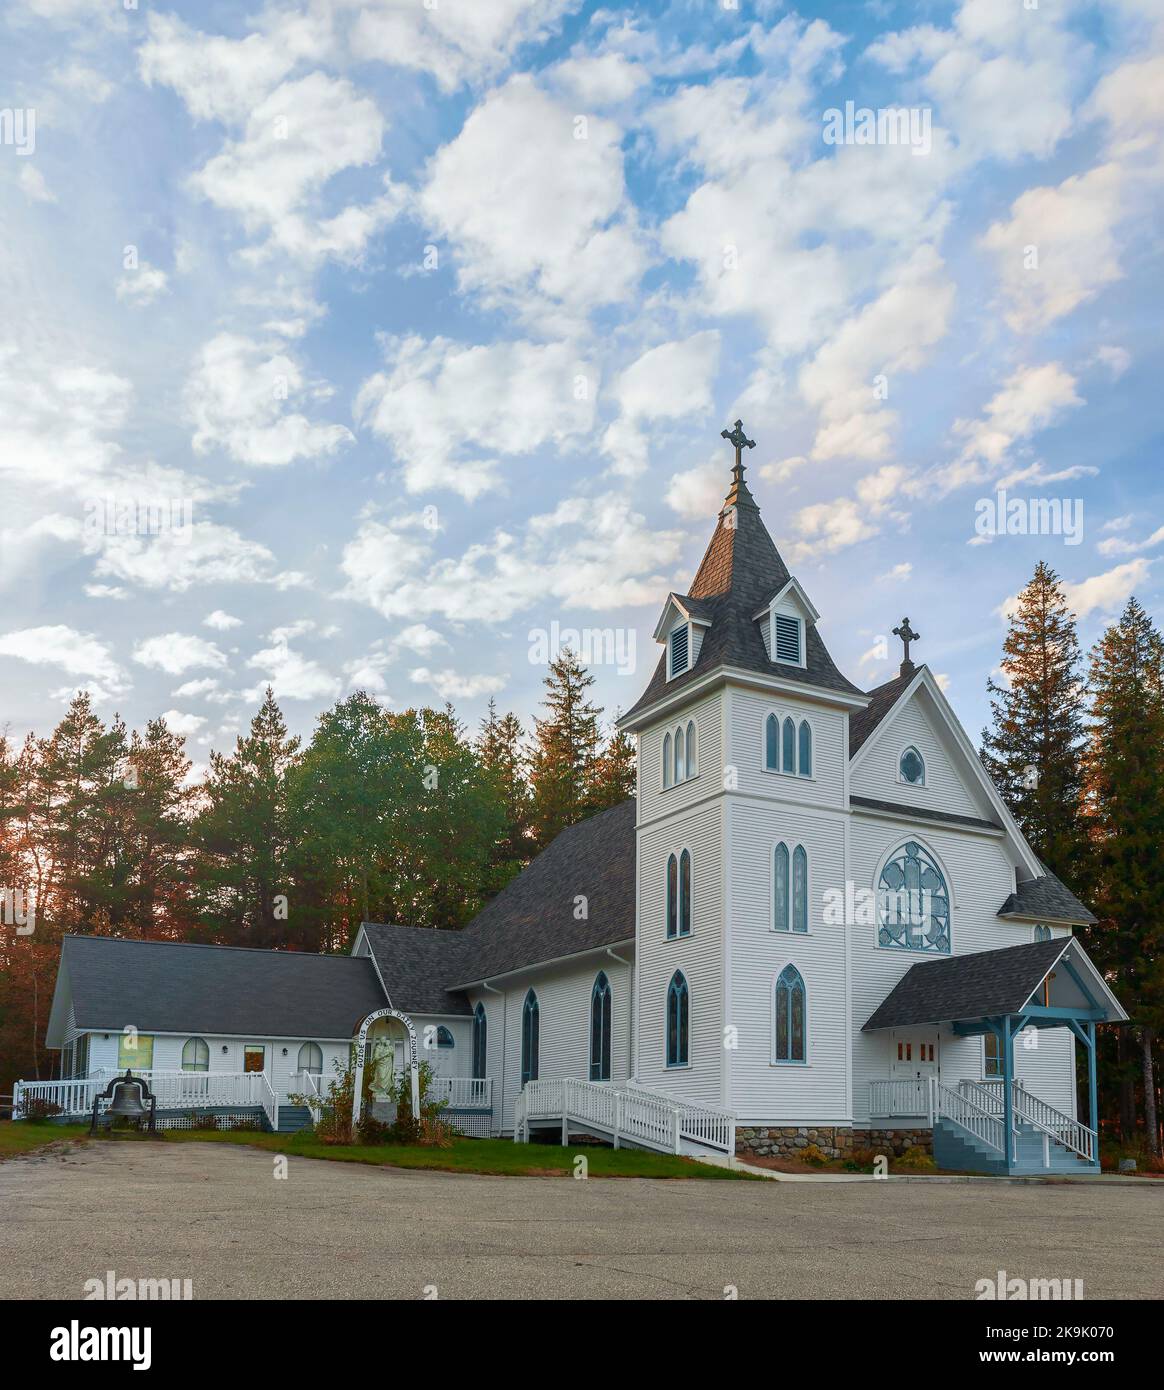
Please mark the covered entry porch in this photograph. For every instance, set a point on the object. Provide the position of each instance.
(997, 1124)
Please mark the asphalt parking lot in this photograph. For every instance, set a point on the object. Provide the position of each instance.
(218, 1216)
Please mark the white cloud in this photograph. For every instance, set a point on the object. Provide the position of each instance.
(451, 685)
(698, 493)
(184, 725)
(898, 574)
(33, 185)
(204, 686)
(234, 398)
(206, 553)
(220, 621)
(1116, 359)
(292, 675)
(142, 286)
(1113, 545)
(419, 638)
(667, 382)
(78, 653)
(1106, 592)
(538, 218)
(451, 412)
(176, 652)
(824, 528)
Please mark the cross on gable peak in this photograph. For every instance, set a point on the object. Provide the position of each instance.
(907, 635)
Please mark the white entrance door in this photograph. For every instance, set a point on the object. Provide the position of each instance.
(915, 1056)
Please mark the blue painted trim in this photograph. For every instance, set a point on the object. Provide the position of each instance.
(1087, 994)
(1007, 1097)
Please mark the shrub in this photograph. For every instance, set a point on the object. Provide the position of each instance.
(915, 1157)
(813, 1155)
(38, 1108)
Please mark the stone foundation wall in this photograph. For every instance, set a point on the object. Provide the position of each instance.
(833, 1141)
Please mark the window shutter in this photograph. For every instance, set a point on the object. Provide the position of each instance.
(787, 639)
(679, 650)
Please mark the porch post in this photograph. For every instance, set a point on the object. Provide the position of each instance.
(1007, 1040)
(1092, 1096)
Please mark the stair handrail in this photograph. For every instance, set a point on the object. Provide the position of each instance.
(956, 1106)
(1063, 1128)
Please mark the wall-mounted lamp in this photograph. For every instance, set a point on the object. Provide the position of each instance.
(284, 1052)
(225, 1049)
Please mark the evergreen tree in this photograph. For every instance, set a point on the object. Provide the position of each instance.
(1034, 751)
(614, 777)
(499, 747)
(566, 747)
(245, 835)
(1125, 803)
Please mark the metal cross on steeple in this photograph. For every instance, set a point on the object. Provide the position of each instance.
(907, 635)
(741, 442)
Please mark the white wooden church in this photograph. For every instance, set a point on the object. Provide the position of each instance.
(817, 922)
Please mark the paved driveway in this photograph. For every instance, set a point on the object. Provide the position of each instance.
(215, 1214)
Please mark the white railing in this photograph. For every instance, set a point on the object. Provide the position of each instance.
(70, 1097)
(908, 1097)
(715, 1128)
(180, 1090)
(649, 1117)
(1052, 1123)
(969, 1113)
(463, 1092)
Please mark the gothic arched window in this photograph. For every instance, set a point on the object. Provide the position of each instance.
(913, 902)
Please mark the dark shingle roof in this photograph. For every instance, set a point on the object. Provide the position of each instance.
(172, 987)
(981, 985)
(741, 570)
(863, 722)
(1046, 897)
(416, 963)
(923, 813)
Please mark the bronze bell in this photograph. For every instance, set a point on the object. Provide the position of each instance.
(127, 1099)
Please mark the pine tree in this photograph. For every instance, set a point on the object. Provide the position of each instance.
(245, 835)
(1034, 750)
(1125, 804)
(615, 777)
(565, 750)
(499, 748)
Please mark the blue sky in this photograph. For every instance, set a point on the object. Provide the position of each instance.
(421, 321)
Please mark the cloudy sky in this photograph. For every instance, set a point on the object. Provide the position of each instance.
(346, 344)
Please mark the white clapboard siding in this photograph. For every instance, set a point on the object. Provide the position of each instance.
(979, 877)
(877, 773)
(563, 994)
(654, 801)
(749, 711)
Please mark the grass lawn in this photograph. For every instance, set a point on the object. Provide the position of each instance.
(22, 1136)
(475, 1156)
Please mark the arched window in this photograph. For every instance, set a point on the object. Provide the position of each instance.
(678, 756)
(799, 889)
(600, 1010)
(1042, 933)
(529, 1038)
(196, 1055)
(913, 768)
(913, 903)
(772, 743)
(991, 1054)
(788, 758)
(672, 896)
(805, 765)
(444, 1038)
(685, 894)
(791, 1017)
(780, 897)
(678, 1020)
(311, 1059)
(666, 760)
(480, 1043)
(691, 768)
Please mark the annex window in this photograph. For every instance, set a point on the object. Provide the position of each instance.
(600, 1011)
(772, 743)
(254, 1057)
(530, 1030)
(678, 1021)
(1042, 933)
(196, 1055)
(672, 896)
(780, 894)
(787, 631)
(913, 768)
(691, 763)
(311, 1058)
(791, 1017)
(480, 1042)
(685, 894)
(800, 889)
(679, 761)
(677, 650)
(992, 1054)
(666, 760)
(913, 903)
(788, 747)
(444, 1037)
(135, 1052)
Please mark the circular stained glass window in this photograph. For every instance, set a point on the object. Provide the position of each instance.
(913, 903)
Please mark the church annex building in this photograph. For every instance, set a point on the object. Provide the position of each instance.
(816, 922)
